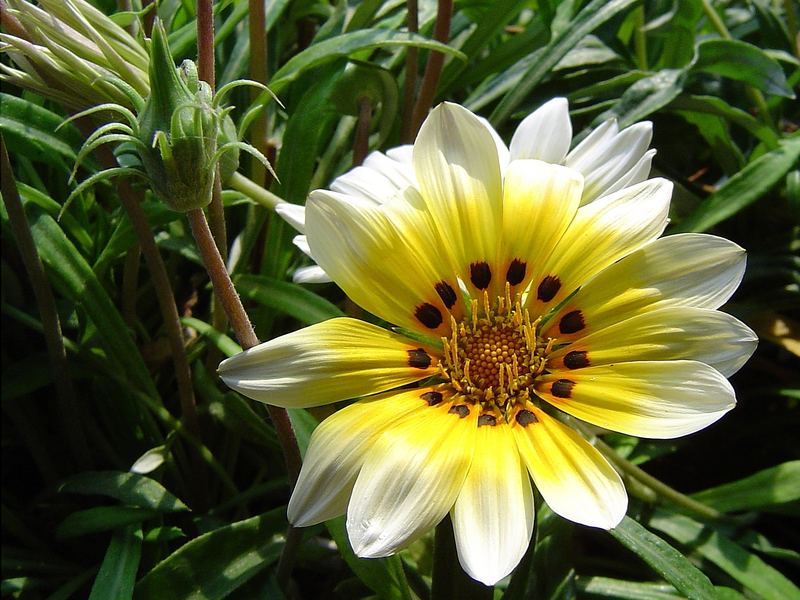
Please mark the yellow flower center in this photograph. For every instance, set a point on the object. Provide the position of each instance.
(493, 357)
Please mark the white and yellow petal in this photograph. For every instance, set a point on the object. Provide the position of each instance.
(459, 176)
(692, 269)
(493, 516)
(672, 333)
(571, 475)
(600, 234)
(545, 134)
(330, 361)
(385, 257)
(338, 448)
(411, 478)
(653, 399)
(539, 203)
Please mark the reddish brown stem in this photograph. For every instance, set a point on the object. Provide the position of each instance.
(433, 69)
(361, 140)
(410, 84)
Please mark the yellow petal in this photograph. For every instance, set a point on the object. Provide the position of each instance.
(338, 448)
(493, 516)
(410, 479)
(662, 399)
(330, 361)
(539, 202)
(573, 478)
(672, 333)
(458, 171)
(374, 253)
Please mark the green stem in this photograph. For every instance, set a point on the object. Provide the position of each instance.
(433, 69)
(755, 95)
(46, 304)
(410, 83)
(255, 192)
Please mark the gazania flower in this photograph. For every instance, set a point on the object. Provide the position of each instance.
(608, 159)
(519, 311)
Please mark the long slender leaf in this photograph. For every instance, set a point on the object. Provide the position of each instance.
(129, 488)
(664, 559)
(117, 574)
(746, 568)
(289, 298)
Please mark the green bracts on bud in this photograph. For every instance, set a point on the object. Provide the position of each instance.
(179, 128)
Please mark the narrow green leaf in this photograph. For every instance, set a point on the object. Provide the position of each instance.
(664, 559)
(744, 188)
(72, 275)
(776, 485)
(101, 518)
(646, 96)
(217, 563)
(347, 44)
(591, 16)
(222, 342)
(746, 568)
(607, 587)
(743, 62)
(289, 298)
(117, 574)
(36, 126)
(129, 488)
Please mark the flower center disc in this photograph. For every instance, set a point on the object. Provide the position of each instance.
(493, 359)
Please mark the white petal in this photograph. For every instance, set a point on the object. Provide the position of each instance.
(572, 476)
(655, 399)
(294, 214)
(330, 361)
(493, 516)
(301, 241)
(410, 480)
(379, 179)
(338, 448)
(545, 134)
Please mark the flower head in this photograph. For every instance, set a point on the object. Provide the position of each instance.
(530, 307)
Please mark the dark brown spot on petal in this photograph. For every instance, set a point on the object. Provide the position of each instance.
(562, 388)
(429, 315)
(446, 293)
(462, 410)
(487, 420)
(516, 271)
(480, 275)
(548, 288)
(432, 398)
(571, 322)
(419, 359)
(526, 417)
(576, 359)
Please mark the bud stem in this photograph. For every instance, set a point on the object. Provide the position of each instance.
(433, 69)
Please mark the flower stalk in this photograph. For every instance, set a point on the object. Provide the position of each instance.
(433, 69)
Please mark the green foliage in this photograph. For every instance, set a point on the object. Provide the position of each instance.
(109, 491)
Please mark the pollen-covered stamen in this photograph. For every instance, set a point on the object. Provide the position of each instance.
(494, 357)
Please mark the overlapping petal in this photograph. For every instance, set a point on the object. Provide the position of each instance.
(655, 399)
(572, 476)
(493, 516)
(338, 448)
(545, 134)
(334, 360)
(691, 269)
(600, 234)
(410, 480)
(539, 203)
